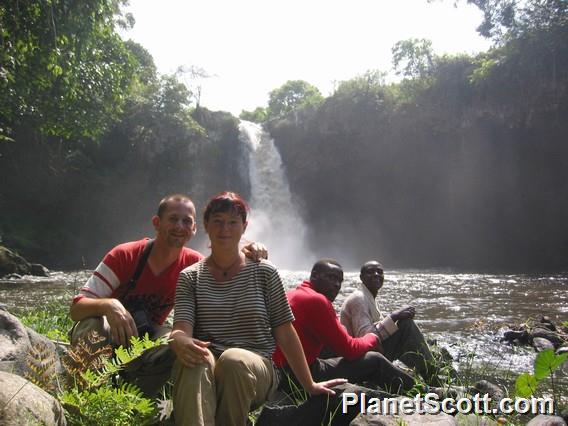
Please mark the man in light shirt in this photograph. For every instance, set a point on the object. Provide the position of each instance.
(399, 337)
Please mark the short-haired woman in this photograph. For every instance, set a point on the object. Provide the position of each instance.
(229, 314)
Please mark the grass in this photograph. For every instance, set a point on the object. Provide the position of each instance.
(51, 320)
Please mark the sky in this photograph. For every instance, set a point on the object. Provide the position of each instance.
(251, 47)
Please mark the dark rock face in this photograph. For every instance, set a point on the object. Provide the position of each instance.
(14, 265)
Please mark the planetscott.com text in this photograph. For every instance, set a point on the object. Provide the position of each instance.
(431, 403)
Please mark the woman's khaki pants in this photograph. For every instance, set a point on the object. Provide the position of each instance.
(223, 391)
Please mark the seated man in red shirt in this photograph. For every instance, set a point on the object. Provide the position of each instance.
(317, 326)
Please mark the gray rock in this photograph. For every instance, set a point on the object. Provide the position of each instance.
(405, 419)
(541, 344)
(17, 342)
(484, 387)
(13, 266)
(554, 337)
(23, 402)
(474, 420)
(543, 420)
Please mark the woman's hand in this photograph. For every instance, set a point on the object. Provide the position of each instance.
(324, 388)
(190, 351)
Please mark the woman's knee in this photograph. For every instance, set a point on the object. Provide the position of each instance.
(233, 362)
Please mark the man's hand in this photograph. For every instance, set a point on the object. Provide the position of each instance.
(405, 313)
(190, 351)
(325, 387)
(255, 251)
(122, 326)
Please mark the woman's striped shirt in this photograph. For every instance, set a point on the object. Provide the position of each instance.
(238, 313)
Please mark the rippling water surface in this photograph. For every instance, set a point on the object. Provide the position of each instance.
(464, 312)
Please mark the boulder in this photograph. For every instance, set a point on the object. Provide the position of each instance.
(441, 419)
(483, 387)
(541, 344)
(12, 263)
(544, 420)
(39, 270)
(23, 402)
(547, 334)
(20, 346)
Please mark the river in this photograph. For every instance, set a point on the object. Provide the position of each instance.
(465, 313)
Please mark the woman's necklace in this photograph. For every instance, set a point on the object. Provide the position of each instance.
(224, 271)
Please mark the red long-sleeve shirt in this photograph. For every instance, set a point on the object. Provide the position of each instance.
(317, 326)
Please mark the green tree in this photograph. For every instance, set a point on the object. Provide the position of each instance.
(292, 95)
(259, 115)
(64, 69)
(413, 58)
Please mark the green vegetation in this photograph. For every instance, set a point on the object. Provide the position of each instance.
(545, 366)
(52, 320)
(90, 134)
(98, 394)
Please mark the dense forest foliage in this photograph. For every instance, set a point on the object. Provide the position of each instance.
(462, 163)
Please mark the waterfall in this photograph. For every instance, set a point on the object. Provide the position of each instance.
(274, 220)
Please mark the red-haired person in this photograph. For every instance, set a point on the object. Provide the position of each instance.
(229, 314)
(117, 308)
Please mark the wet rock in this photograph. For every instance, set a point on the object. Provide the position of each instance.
(13, 266)
(562, 350)
(12, 277)
(39, 270)
(543, 420)
(520, 337)
(23, 402)
(546, 322)
(552, 336)
(12, 263)
(541, 344)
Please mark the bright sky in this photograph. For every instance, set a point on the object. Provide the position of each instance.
(255, 46)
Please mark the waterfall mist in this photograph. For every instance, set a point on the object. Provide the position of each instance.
(275, 220)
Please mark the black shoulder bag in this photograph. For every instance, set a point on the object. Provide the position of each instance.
(136, 307)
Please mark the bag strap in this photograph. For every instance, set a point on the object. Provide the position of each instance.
(139, 267)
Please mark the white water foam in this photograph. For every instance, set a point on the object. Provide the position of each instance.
(275, 220)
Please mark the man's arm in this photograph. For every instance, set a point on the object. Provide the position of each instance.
(325, 325)
(355, 311)
(288, 341)
(255, 251)
(121, 323)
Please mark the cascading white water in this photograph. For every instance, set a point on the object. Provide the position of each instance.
(274, 219)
